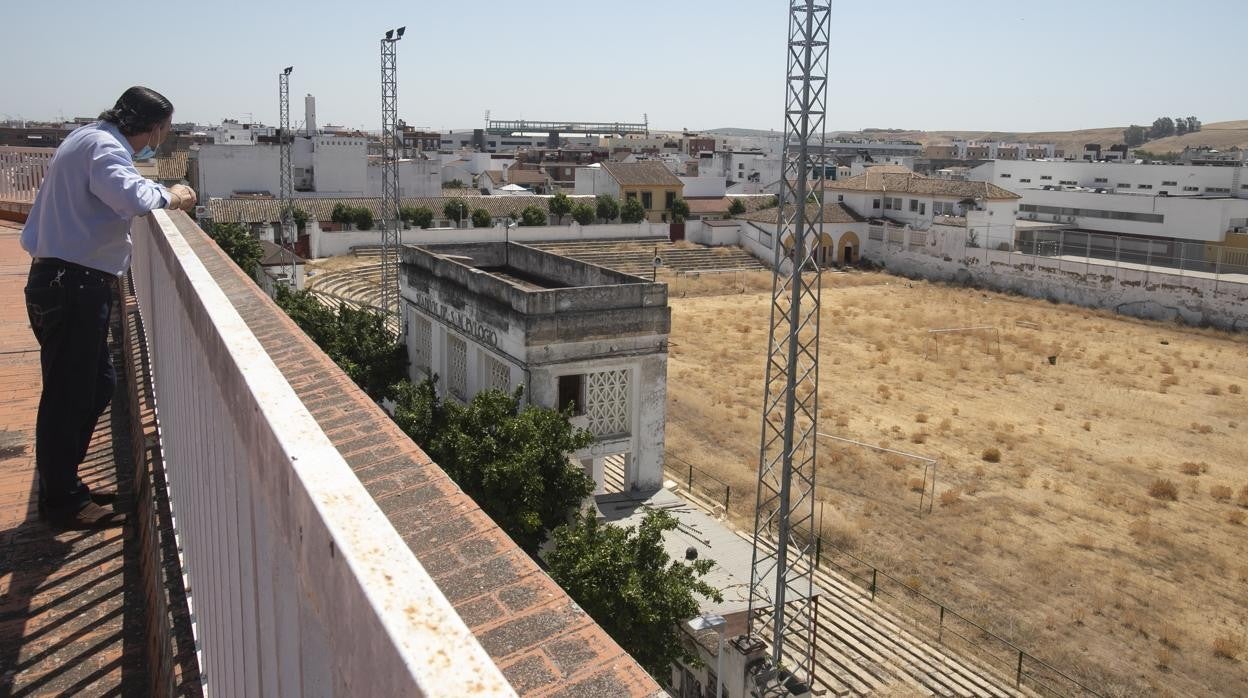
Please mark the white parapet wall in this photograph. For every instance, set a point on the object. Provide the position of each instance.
(299, 584)
(332, 244)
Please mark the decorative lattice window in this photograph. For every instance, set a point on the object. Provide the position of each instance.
(422, 342)
(456, 366)
(606, 403)
(497, 374)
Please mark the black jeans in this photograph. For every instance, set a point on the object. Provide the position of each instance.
(69, 308)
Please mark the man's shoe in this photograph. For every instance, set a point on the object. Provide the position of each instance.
(103, 498)
(90, 516)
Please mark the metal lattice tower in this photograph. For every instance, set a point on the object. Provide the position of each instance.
(391, 225)
(286, 195)
(782, 609)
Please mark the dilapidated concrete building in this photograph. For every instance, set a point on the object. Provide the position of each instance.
(500, 315)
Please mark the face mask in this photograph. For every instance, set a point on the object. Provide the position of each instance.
(146, 153)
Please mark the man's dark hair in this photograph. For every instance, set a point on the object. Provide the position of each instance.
(138, 110)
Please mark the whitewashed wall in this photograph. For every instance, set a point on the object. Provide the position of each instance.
(332, 244)
(1152, 294)
(299, 583)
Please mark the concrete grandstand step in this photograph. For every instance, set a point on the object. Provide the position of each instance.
(871, 630)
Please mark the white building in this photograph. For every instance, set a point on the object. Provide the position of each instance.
(704, 186)
(876, 149)
(576, 336)
(1173, 202)
(744, 171)
(884, 205)
(324, 165)
(899, 195)
(494, 143)
(231, 132)
(1204, 155)
(595, 180)
(417, 177)
(992, 150)
(274, 267)
(1120, 178)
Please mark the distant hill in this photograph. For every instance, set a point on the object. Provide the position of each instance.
(1221, 135)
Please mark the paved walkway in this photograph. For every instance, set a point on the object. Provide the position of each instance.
(66, 627)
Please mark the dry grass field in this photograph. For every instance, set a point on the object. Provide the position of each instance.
(1091, 510)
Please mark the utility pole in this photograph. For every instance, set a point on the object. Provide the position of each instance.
(391, 224)
(284, 138)
(782, 607)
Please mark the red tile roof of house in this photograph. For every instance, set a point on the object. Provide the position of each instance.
(649, 173)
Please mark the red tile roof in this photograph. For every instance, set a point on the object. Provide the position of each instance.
(648, 173)
(515, 175)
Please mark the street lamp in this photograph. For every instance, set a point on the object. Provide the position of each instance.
(711, 621)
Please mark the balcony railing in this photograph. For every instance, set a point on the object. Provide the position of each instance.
(298, 582)
(21, 171)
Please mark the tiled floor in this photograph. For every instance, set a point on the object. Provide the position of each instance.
(65, 625)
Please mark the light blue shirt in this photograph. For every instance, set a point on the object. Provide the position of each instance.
(88, 196)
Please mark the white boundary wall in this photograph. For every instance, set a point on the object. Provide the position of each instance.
(1128, 289)
(299, 585)
(331, 244)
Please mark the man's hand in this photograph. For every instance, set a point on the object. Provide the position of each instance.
(182, 197)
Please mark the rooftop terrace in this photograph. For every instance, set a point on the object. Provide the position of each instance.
(324, 552)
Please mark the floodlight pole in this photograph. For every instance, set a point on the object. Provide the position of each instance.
(391, 223)
(286, 194)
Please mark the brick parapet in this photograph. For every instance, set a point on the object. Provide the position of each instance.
(544, 643)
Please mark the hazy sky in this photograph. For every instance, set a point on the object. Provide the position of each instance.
(698, 64)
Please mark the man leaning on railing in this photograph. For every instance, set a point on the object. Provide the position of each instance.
(78, 233)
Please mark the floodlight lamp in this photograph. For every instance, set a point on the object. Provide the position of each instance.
(389, 34)
(400, 31)
(289, 68)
